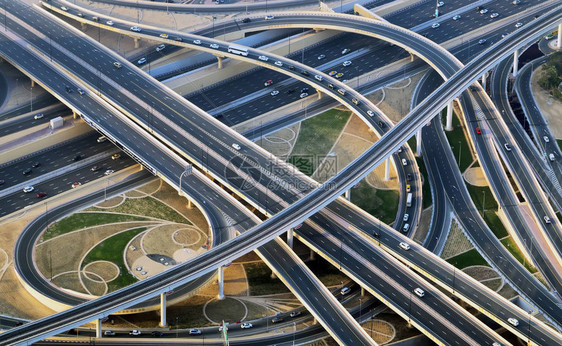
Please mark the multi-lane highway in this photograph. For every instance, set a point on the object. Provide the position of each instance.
(397, 130)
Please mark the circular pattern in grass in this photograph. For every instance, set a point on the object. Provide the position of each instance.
(186, 236)
(229, 310)
(111, 203)
(104, 271)
(381, 331)
(95, 286)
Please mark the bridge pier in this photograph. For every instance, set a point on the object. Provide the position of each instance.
(290, 236)
(559, 40)
(83, 26)
(32, 83)
(412, 57)
(221, 283)
(163, 322)
(449, 124)
(319, 94)
(484, 80)
(312, 255)
(99, 333)
(347, 195)
(386, 169)
(188, 204)
(74, 114)
(362, 291)
(419, 143)
(219, 59)
(136, 39)
(515, 63)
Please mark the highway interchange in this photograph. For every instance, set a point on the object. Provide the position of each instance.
(270, 207)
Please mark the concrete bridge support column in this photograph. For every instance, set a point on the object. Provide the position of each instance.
(449, 124)
(362, 291)
(559, 40)
(221, 283)
(290, 236)
(312, 255)
(136, 42)
(163, 322)
(32, 83)
(74, 115)
(347, 195)
(319, 93)
(484, 80)
(188, 204)
(515, 63)
(219, 59)
(99, 333)
(83, 26)
(419, 143)
(412, 57)
(386, 169)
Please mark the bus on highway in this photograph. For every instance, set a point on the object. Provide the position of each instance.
(238, 50)
(409, 200)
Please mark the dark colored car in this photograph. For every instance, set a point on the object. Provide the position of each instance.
(277, 320)
(290, 91)
(36, 164)
(27, 171)
(478, 131)
(246, 20)
(305, 73)
(41, 194)
(304, 90)
(68, 89)
(157, 333)
(2, 182)
(78, 157)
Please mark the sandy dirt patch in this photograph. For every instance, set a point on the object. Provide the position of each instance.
(475, 176)
(101, 270)
(94, 284)
(159, 240)
(550, 108)
(381, 331)
(280, 143)
(481, 272)
(169, 196)
(423, 226)
(151, 187)
(69, 281)
(111, 203)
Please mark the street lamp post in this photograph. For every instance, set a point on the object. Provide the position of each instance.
(214, 17)
(529, 331)
(410, 310)
(177, 326)
(294, 332)
(360, 309)
(483, 202)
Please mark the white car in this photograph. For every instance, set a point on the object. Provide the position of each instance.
(346, 63)
(197, 41)
(40, 115)
(135, 332)
(482, 41)
(494, 15)
(236, 146)
(404, 162)
(345, 291)
(278, 63)
(345, 51)
(138, 269)
(546, 139)
(263, 58)
(435, 25)
(141, 61)
(220, 328)
(484, 11)
(404, 246)
(160, 47)
(269, 17)
(194, 331)
(518, 24)
(318, 77)
(321, 56)
(64, 8)
(109, 22)
(371, 113)
(457, 17)
(513, 321)
(303, 95)
(440, 3)
(418, 291)
(164, 35)
(109, 171)
(546, 219)
(136, 29)
(274, 92)
(214, 46)
(246, 325)
(108, 333)
(28, 189)
(507, 146)
(406, 217)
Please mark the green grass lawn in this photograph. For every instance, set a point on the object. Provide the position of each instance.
(559, 141)
(260, 281)
(82, 220)
(316, 137)
(382, 204)
(459, 144)
(509, 243)
(466, 259)
(112, 250)
(151, 207)
(483, 194)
